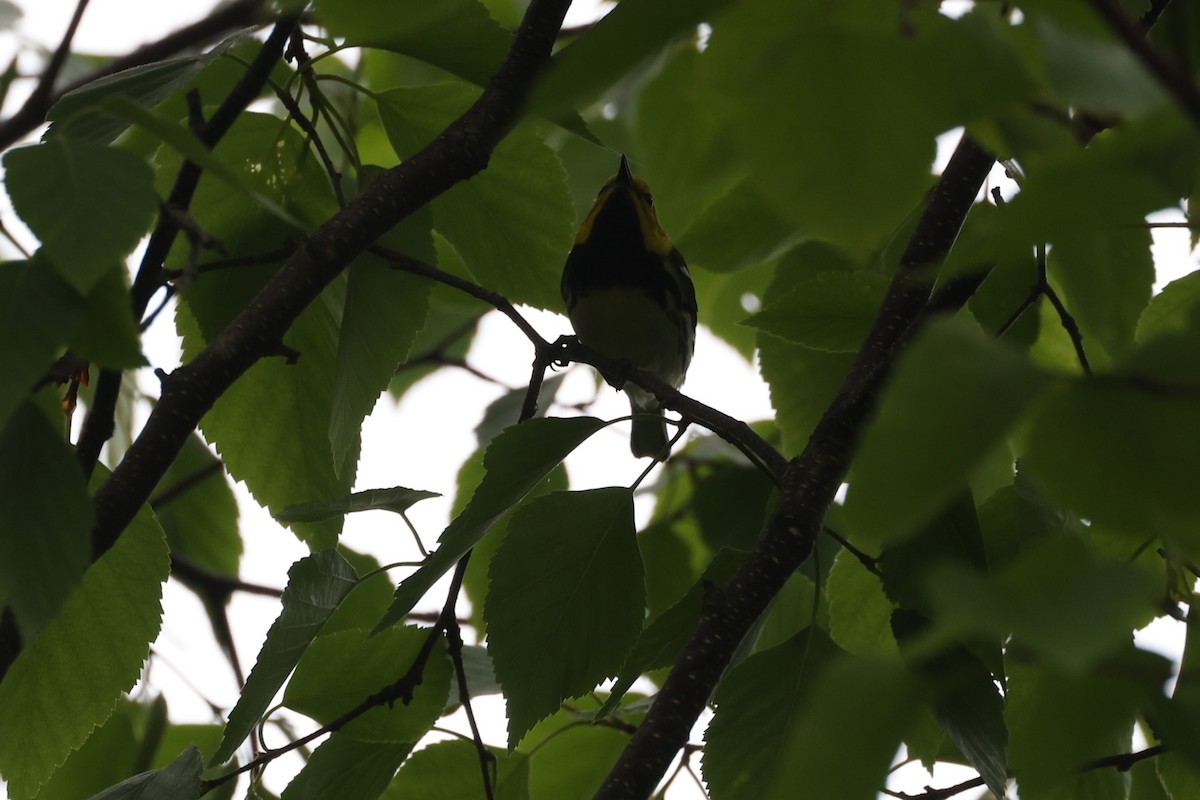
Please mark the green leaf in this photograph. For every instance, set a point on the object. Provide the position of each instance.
(1179, 777)
(725, 524)
(798, 605)
(684, 149)
(1144, 782)
(107, 757)
(457, 35)
(516, 461)
(832, 311)
(347, 768)
(664, 638)
(475, 582)
(1054, 599)
(758, 705)
(78, 114)
(39, 312)
(1169, 311)
(505, 410)
(567, 759)
(178, 781)
(480, 675)
(396, 499)
(575, 553)
(185, 143)
(112, 616)
(384, 310)
(1058, 722)
(341, 670)
(88, 204)
(803, 383)
(45, 520)
(1094, 72)
(966, 701)
(724, 299)
(636, 30)
(845, 738)
(953, 536)
(860, 613)
(451, 771)
(954, 395)
(1123, 175)
(284, 455)
(1106, 278)
(316, 586)
(200, 514)
(1121, 457)
(833, 180)
(512, 223)
(109, 335)
(739, 229)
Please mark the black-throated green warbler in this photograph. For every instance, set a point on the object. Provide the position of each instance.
(630, 297)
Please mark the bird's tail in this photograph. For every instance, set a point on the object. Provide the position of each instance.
(649, 436)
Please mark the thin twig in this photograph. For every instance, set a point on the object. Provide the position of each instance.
(310, 129)
(870, 562)
(494, 299)
(252, 260)
(98, 425)
(185, 484)
(45, 84)
(185, 568)
(1176, 81)
(236, 14)
(402, 689)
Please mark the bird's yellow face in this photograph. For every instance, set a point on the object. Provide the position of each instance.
(636, 193)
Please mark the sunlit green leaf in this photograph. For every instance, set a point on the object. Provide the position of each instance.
(180, 780)
(843, 741)
(831, 312)
(511, 224)
(109, 336)
(196, 507)
(316, 585)
(574, 552)
(953, 396)
(758, 705)
(115, 604)
(78, 113)
(459, 36)
(347, 768)
(451, 770)
(516, 461)
(45, 520)
(1122, 457)
(87, 203)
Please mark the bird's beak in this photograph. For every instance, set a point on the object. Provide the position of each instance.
(624, 174)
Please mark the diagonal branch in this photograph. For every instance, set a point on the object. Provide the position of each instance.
(1175, 80)
(98, 425)
(462, 150)
(810, 482)
(45, 85)
(230, 17)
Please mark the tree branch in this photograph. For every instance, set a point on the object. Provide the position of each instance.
(98, 425)
(45, 84)
(810, 482)
(1176, 81)
(462, 150)
(237, 14)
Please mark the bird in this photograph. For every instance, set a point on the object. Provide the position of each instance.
(630, 297)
